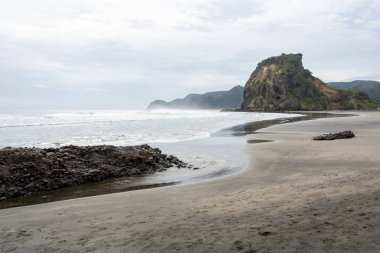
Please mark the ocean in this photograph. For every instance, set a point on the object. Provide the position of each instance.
(116, 127)
(210, 140)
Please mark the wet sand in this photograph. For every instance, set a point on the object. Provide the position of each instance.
(297, 195)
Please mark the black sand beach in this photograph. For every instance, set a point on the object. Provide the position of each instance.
(297, 195)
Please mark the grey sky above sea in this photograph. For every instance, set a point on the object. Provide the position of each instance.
(117, 54)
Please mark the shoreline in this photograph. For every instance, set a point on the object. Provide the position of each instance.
(297, 195)
(110, 186)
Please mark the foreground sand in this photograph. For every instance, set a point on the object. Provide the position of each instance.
(297, 195)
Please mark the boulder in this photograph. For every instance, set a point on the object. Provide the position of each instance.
(332, 136)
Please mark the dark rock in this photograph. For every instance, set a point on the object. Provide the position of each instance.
(30, 186)
(333, 136)
(27, 170)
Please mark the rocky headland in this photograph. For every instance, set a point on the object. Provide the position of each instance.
(27, 170)
(282, 83)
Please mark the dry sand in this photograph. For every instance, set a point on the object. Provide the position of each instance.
(297, 195)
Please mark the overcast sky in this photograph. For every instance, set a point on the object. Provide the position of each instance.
(122, 54)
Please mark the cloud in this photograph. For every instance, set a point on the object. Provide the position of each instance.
(95, 89)
(148, 49)
(41, 86)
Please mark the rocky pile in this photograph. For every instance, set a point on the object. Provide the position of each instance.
(333, 136)
(27, 170)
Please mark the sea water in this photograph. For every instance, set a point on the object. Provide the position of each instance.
(116, 127)
(206, 139)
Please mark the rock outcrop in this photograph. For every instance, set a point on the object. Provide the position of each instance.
(332, 136)
(211, 100)
(27, 170)
(282, 83)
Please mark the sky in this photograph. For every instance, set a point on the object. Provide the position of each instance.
(122, 54)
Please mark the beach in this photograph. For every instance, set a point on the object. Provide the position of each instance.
(296, 195)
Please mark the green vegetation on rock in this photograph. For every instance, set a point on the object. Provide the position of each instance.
(371, 88)
(282, 83)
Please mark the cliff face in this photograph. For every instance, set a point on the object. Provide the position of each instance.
(210, 100)
(282, 83)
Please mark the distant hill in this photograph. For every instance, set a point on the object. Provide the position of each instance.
(210, 100)
(371, 88)
(282, 83)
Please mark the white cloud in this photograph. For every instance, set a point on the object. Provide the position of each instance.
(41, 86)
(95, 89)
(188, 44)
